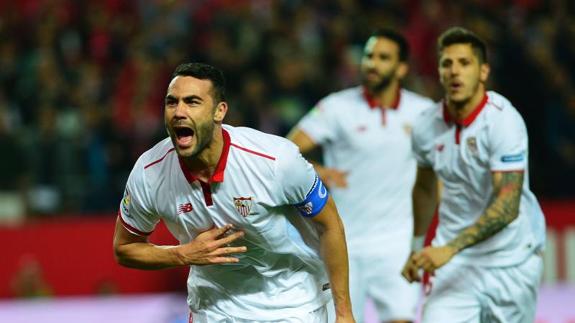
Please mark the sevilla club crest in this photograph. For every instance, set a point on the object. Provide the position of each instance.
(243, 205)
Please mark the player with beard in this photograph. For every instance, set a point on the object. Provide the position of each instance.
(485, 259)
(365, 133)
(256, 226)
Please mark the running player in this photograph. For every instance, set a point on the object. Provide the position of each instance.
(485, 256)
(231, 196)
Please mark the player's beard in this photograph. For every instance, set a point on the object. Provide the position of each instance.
(383, 83)
(204, 135)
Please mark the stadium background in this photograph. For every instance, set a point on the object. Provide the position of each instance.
(81, 91)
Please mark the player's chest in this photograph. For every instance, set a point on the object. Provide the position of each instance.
(200, 206)
(375, 127)
(461, 153)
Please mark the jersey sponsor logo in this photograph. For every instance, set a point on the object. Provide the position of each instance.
(126, 203)
(185, 208)
(472, 145)
(513, 158)
(243, 205)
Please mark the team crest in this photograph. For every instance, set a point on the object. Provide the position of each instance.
(243, 205)
(472, 145)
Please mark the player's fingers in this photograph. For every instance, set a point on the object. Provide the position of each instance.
(223, 260)
(221, 230)
(428, 267)
(407, 274)
(230, 238)
(415, 275)
(229, 250)
(418, 260)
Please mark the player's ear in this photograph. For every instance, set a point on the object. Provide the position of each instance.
(484, 72)
(220, 112)
(402, 70)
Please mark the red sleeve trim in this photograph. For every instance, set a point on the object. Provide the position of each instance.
(253, 152)
(131, 228)
(509, 171)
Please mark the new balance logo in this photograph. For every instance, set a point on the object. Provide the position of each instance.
(440, 147)
(185, 208)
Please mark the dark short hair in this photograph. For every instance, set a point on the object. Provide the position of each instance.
(395, 37)
(459, 35)
(205, 72)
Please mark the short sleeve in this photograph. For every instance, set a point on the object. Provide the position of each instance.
(318, 124)
(417, 144)
(508, 142)
(136, 212)
(298, 183)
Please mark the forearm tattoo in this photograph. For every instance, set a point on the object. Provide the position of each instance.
(502, 210)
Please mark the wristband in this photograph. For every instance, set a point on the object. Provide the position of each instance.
(417, 243)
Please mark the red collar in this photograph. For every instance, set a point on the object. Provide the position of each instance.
(218, 175)
(373, 103)
(470, 118)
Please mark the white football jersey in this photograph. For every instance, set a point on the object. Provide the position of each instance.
(492, 139)
(258, 180)
(373, 145)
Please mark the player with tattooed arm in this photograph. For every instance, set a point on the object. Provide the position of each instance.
(485, 260)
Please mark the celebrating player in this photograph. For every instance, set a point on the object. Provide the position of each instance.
(485, 257)
(365, 133)
(231, 196)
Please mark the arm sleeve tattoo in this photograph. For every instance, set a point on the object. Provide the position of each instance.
(502, 210)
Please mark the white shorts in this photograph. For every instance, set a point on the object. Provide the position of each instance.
(317, 316)
(379, 278)
(460, 293)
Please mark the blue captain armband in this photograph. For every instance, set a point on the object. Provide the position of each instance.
(314, 201)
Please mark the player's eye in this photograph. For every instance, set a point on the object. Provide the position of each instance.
(171, 102)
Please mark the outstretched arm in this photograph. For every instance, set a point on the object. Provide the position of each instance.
(334, 253)
(503, 209)
(210, 247)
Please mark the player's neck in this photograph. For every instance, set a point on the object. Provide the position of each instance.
(461, 110)
(204, 164)
(388, 96)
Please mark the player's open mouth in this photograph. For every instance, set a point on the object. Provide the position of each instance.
(455, 85)
(184, 136)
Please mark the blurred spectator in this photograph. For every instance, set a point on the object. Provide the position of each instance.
(13, 177)
(67, 89)
(29, 280)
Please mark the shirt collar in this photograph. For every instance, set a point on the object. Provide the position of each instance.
(218, 175)
(373, 103)
(470, 118)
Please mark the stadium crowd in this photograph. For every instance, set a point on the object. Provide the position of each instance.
(82, 83)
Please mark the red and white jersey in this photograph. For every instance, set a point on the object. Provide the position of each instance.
(373, 145)
(493, 138)
(257, 181)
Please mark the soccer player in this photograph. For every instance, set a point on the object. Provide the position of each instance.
(253, 219)
(365, 133)
(485, 256)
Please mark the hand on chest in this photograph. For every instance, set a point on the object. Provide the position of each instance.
(201, 206)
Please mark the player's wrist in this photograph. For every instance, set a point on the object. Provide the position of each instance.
(417, 243)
